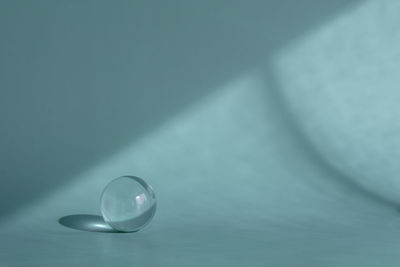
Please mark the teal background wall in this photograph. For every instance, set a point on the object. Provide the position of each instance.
(81, 79)
(268, 130)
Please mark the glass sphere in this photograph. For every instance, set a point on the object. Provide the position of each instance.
(128, 203)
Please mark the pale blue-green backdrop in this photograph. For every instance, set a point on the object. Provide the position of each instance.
(268, 130)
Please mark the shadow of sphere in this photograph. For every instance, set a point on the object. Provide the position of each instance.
(86, 222)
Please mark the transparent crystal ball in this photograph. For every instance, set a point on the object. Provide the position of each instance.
(128, 203)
